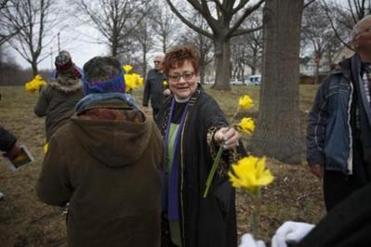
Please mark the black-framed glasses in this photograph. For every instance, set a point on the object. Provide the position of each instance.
(156, 62)
(186, 76)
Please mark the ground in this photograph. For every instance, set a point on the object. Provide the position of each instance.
(24, 221)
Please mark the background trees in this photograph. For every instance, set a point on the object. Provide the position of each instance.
(224, 19)
(31, 20)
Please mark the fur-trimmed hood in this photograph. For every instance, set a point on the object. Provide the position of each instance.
(66, 84)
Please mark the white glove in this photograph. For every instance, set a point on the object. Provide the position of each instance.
(247, 240)
(290, 232)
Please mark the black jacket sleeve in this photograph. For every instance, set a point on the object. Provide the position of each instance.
(348, 224)
(7, 140)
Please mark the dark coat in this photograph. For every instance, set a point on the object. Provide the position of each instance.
(108, 170)
(348, 224)
(210, 221)
(57, 102)
(154, 88)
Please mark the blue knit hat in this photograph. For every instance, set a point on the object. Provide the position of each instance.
(103, 75)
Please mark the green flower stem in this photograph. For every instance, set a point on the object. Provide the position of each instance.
(210, 177)
(256, 214)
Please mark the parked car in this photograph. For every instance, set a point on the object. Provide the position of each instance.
(254, 80)
(235, 81)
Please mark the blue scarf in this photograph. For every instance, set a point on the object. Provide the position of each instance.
(115, 85)
(172, 204)
(93, 98)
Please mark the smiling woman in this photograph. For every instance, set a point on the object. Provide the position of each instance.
(193, 127)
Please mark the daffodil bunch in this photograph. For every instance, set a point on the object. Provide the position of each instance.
(132, 80)
(35, 84)
(246, 126)
(250, 174)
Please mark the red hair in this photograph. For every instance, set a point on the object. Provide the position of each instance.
(177, 56)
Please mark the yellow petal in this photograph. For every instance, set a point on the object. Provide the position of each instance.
(245, 102)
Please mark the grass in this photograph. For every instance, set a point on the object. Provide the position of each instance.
(25, 221)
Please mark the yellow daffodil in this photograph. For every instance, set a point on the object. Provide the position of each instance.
(45, 148)
(165, 83)
(250, 173)
(245, 102)
(133, 81)
(247, 125)
(127, 68)
(35, 84)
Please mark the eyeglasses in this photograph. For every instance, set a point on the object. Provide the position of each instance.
(186, 76)
(156, 62)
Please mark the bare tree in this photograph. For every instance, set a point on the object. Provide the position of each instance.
(165, 25)
(224, 19)
(278, 131)
(319, 35)
(7, 30)
(203, 44)
(30, 17)
(114, 19)
(342, 16)
(247, 49)
(144, 38)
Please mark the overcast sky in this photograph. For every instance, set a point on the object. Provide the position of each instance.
(81, 42)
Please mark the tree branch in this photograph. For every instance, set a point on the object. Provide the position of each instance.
(188, 23)
(248, 11)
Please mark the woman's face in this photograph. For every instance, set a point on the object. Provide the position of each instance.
(183, 80)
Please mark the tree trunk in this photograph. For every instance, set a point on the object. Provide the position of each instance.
(202, 73)
(278, 133)
(316, 75)
(222, 64)
(35, 71)
(144, 61)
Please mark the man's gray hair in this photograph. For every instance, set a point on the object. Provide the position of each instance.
(159, 54)
(101, 68)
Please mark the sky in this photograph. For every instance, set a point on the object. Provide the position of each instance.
(82, 42)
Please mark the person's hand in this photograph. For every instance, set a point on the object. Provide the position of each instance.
(317, 170)
(228, 137)
(13, 152)
(166, 92)
(247, 240)
(290, 232)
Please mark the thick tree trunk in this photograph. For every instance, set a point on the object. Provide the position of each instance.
(222, 64)
(278, 133)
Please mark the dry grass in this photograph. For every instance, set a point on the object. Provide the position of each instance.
(24, 221)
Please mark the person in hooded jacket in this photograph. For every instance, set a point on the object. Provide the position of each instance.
(106, 163)
(58, 99)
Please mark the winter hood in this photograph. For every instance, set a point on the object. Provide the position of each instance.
(113, 143)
